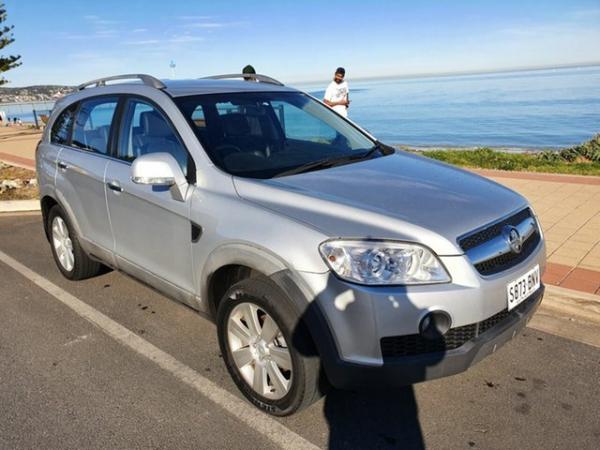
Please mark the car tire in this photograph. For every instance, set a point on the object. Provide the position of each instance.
(70, 258)
(257, 363)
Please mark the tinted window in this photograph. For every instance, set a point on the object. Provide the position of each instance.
(92, 125)
(145, 130)
(61, 129)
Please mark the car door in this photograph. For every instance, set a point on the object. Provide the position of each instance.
(152, 230)
(80, 176)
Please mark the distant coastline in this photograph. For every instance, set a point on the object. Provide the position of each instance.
(33, 94)
(46, 91)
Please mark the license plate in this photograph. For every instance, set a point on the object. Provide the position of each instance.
(522, 287)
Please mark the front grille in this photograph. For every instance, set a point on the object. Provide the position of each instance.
(507, 260)
(491, 322)
(491, 231)
(415, 344)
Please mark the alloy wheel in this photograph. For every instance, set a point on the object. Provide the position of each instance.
(259, 351)
(62, 243)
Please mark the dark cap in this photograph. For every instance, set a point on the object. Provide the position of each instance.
(340, 70)
(248, 69)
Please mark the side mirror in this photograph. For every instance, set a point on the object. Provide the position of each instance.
(160, 169)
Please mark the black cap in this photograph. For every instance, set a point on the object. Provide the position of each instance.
(340, 70)
(248, 69)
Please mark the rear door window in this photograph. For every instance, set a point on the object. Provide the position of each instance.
(61, 129)
(93, 124)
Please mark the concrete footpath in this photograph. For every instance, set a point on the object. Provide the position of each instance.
(568, 207)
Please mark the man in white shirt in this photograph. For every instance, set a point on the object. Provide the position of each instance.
(336, 95)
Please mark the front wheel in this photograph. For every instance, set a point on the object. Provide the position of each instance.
(266, 348)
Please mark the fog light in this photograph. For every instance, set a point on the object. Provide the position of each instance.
(435, 325)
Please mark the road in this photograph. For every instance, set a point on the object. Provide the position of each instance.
(68, 383)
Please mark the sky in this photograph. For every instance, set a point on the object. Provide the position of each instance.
(71, 41)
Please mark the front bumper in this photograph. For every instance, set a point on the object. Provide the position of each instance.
(349, 322)
(400, 371)
(359, 317)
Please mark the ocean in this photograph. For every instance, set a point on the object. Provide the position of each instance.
(542, 109)
(520, 110)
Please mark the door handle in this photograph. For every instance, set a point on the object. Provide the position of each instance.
(114, 186)
(62, 165)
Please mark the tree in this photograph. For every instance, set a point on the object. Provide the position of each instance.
(6, 38)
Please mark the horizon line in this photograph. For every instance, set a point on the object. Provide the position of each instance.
(467, 72)
(404, 75)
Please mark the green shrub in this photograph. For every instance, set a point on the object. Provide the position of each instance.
(570, 154)
(582, 159)
(550, 156)
(591, 149)
(588, 151)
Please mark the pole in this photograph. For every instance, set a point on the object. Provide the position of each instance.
(35, 118)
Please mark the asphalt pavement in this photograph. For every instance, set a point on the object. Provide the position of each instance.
(67, 383)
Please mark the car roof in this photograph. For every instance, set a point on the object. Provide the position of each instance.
(174, 88)
(180, 88)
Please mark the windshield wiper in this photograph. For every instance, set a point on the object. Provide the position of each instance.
(313, 165)
(376, 148)
(325, 163)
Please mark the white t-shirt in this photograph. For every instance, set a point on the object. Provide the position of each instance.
(336, 93)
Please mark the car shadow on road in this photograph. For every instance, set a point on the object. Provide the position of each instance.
(373, 415)
(373, 419)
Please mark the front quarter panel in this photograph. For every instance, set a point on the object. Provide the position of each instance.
(238, 232)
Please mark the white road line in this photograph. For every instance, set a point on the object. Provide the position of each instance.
(258, 421)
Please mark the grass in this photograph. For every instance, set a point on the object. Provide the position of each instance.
(582, 159)
(25, 193)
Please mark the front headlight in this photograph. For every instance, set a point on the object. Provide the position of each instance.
(383, 263)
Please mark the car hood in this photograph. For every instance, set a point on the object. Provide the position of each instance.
(400, 196)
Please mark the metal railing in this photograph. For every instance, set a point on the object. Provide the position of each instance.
(28, 112)
(246, 76)
(148, 80)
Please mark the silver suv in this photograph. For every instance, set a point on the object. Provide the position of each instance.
(325, 257)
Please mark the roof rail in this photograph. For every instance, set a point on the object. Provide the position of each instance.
(255, 76)
(148, 80)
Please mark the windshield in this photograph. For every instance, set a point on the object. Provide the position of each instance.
(269, 134)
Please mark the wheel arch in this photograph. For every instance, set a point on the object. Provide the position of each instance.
(231, 263)
(234, 262)
(48, 202)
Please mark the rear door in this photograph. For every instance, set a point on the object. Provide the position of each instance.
(80, 175)
(152, 230)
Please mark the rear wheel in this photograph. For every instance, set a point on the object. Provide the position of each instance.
(266, 348)
(70, 258)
